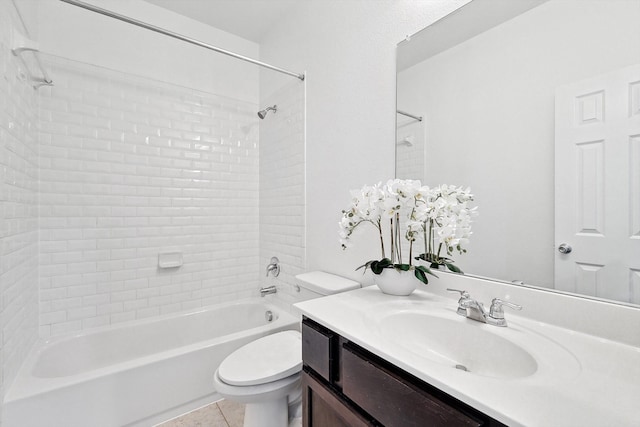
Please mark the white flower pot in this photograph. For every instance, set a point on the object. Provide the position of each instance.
(394, 282)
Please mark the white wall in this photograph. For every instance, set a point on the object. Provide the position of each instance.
(347, 49)
(18, 205)
(489, 115)
(81, 35)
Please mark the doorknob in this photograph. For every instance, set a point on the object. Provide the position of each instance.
(564, 248)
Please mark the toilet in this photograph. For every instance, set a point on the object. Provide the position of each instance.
(265, 374)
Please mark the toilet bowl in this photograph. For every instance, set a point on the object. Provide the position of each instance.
(265, 374)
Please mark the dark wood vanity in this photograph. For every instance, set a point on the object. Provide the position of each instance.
(345, 385)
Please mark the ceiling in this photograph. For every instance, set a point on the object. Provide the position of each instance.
(249, 19)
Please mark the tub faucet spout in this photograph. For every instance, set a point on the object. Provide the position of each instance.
(268, 290)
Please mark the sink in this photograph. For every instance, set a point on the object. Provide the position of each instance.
(460, 343)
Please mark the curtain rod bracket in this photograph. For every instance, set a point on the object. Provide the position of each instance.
(21, 44)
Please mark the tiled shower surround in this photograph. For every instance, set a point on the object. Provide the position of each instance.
(18, 206)
(282, 194)
(131, 168)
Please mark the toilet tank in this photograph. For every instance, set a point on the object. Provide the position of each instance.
(316, 284)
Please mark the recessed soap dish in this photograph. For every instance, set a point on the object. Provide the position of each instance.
(170, 259)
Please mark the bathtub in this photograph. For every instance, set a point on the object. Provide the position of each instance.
(136, 374)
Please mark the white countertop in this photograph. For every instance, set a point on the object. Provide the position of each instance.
(581, 380)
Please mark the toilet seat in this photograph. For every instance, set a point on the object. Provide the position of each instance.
(268, 359)
(257, 393)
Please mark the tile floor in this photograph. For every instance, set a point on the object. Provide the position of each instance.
(220, 414)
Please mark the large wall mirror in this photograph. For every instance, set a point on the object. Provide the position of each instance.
(536, 106)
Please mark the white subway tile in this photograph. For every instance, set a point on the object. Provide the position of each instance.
(147, 312)
(53, 294)
(109, 308)
(159, 300)
(81, 312)
(95, 322)
(129, 177)
(96, 300)
(66, 303)
(81, 291)
(123, 317)
(81, 267)
(123, 295)
(65, 327)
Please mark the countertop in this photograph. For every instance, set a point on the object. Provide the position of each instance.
(584, 381)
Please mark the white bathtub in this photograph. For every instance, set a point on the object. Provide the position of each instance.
(137, 374)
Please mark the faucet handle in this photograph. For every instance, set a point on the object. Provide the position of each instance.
(273, 267)
(463, 294)
(464, 298)
(497, 312)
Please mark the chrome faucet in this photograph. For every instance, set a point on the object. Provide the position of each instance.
(273, 267)
(268, 290)
(472, 309)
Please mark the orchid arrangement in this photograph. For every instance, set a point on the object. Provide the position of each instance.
(440, 217)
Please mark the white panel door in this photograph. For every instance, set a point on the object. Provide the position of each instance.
(597, 194)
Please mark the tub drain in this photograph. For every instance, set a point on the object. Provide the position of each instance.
(462, 368)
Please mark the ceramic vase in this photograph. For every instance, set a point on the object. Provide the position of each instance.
(394, 282)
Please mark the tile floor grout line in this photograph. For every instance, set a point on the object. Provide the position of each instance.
(223, 415)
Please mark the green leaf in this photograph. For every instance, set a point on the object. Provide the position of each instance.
(402, 267)
(424, 270)
(421, 276)
(366, 265)
(453, 268)
(385, 262)
(377, 267)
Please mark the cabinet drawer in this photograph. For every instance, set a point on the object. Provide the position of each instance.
(392, 400)
(318, 349)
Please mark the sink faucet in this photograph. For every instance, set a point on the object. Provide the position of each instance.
(472, 309)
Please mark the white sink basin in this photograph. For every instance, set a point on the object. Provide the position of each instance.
(464, 344)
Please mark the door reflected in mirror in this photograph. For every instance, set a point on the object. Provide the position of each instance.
(536, 106)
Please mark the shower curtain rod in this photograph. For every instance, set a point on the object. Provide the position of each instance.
(178, 36)
(418, 118)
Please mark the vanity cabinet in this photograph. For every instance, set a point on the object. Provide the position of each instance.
(345, 385)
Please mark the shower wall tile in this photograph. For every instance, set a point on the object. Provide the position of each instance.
(410, 148)
(282, 190)
(130, 168)
(18, 205)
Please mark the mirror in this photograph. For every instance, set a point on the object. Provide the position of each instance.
(535, 105)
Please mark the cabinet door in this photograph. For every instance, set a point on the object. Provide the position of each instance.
(322, 408)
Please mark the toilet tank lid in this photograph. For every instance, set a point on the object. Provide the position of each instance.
(326, 283)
